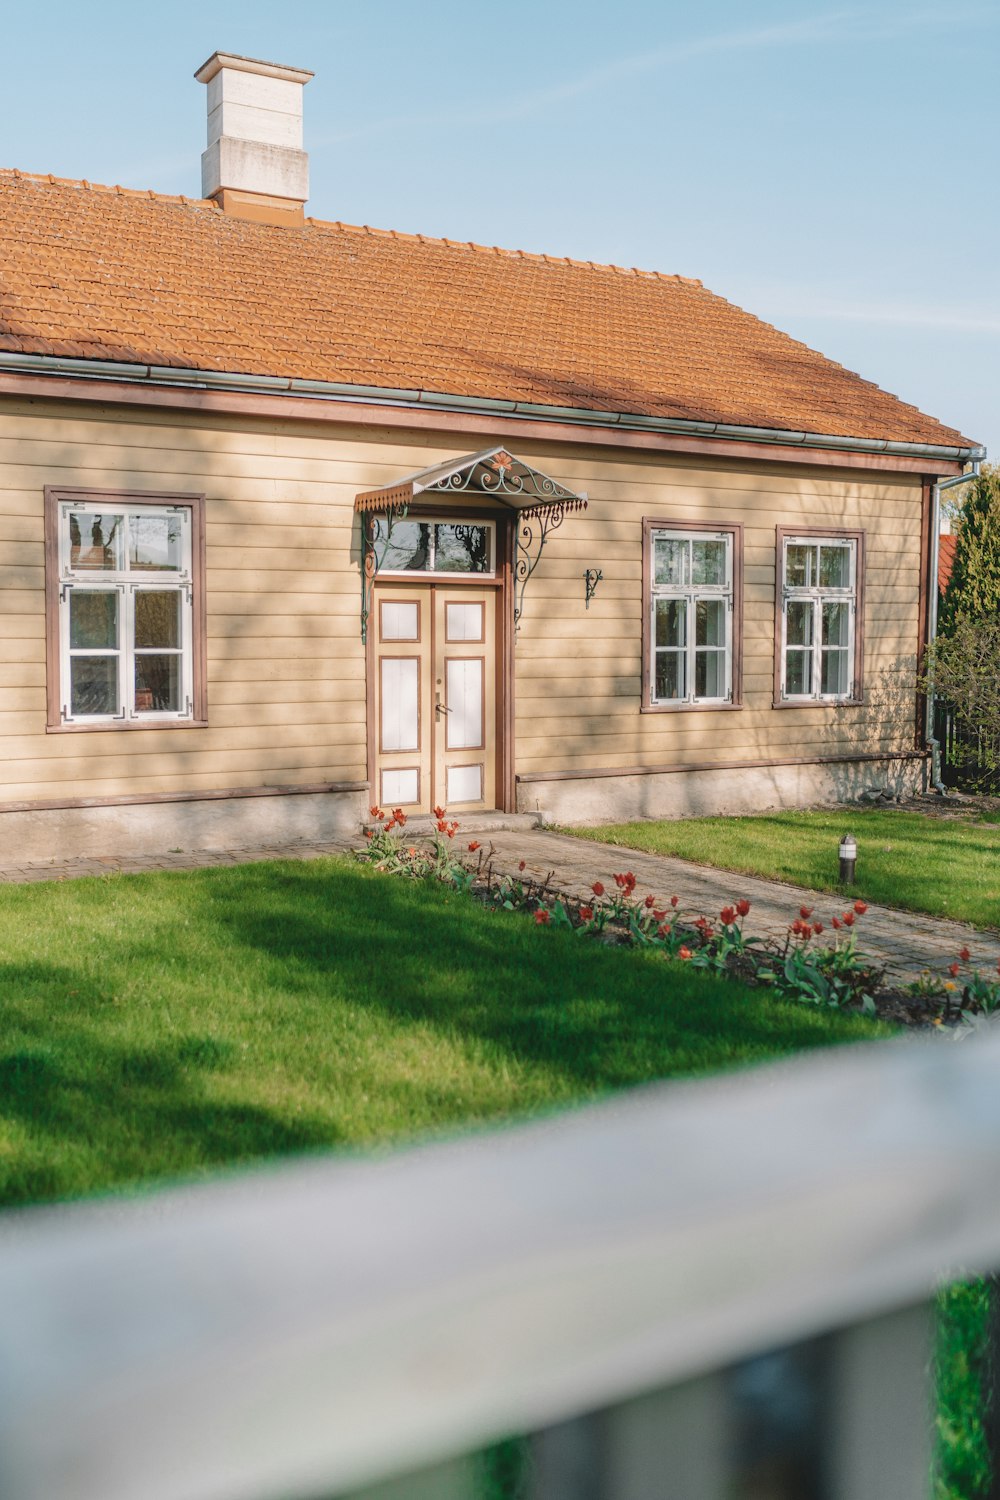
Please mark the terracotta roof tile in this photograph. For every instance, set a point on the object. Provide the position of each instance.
(134, 276)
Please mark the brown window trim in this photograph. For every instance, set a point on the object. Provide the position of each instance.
(735, 530)
(858, 697)
(54, 494)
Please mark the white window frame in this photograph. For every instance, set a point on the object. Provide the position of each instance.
(440, 574)
(818, 595)
(124, 582)
(691, 594)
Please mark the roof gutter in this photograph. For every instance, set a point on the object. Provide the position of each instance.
(329, 390)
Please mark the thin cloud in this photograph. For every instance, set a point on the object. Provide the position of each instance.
(900, 315)
(850, 24)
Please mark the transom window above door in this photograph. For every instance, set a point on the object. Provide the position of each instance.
(436, 546)
(691, 575)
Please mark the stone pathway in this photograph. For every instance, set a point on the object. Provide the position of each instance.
(905, 942)
(176, 859)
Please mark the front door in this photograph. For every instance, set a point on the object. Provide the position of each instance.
(435, 708)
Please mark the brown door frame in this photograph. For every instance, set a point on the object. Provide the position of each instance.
(502, 584)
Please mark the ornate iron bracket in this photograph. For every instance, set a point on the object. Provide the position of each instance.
(534, 527)
(592, 578)
(373, 556)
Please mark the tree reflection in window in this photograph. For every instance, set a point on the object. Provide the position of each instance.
(462, 549)
(432, 547)
(101, 552)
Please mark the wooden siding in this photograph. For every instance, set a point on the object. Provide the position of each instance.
(286, 689)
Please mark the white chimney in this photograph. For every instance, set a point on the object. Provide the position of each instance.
(254, 166)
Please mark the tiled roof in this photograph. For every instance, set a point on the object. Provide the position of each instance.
(111, 274)
(946, 559)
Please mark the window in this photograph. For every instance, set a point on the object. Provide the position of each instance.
(435, 546)
(125, 619)
(692, 575)
(818, 635)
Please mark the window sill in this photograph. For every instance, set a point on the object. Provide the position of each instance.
(819, 703)
(690, 708)
(117, 726)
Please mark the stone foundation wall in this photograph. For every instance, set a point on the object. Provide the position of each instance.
(685, 794)
(156, 827)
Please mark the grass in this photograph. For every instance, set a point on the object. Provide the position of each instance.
(962, 1471)
(157, 1026)
(945, 867)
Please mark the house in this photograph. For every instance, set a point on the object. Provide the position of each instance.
(296, 517)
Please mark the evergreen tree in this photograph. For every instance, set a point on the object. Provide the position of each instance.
(974, 586)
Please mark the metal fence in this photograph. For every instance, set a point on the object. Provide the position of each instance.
(614, 1283)
(968, 757)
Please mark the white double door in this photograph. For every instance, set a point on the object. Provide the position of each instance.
(435, 692)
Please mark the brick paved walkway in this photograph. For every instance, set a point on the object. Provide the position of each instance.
(905, 942)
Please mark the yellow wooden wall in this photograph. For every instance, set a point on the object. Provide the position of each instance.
(578, 670)
(285, 662)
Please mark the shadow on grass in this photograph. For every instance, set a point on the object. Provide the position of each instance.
(596, 1016)
(76, 1104)
(210, 1017)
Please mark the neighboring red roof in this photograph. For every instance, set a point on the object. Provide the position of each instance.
(110, 274)
(946, 559)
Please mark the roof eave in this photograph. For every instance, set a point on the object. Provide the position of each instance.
(325, 390)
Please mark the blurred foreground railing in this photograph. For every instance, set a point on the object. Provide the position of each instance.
(597, 1281)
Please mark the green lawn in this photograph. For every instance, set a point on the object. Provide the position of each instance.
(947, 867)
(162, 1025)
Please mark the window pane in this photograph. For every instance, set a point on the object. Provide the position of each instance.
(710, 622)
(800, 622)
(157, 684)
(462, 549)
(670, 674)
(671, 622)
(799, 567)
(835, 672)
(157, 617)
(93, 619)
(671, 560)
(409, 548)
(710, 674)
(155, 542)
(836, 624)
(835, 567)
(708, 562)
(93, 685)
(798, 673)
(95, 540)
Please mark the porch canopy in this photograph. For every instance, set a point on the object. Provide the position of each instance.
(541, 504)
(495, 473)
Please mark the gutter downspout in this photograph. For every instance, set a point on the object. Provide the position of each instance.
(932, 612)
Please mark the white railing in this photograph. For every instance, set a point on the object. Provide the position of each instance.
(590, 1280)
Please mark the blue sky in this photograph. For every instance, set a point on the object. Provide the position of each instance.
(832, 168)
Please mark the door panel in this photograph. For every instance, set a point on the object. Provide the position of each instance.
(465, 742)
(402, 749)
(434, 688)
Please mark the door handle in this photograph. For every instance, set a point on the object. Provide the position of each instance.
(439, 707)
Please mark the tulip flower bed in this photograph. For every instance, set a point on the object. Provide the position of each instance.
(816, 963)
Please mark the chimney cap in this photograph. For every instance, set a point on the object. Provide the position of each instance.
(220, 60)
